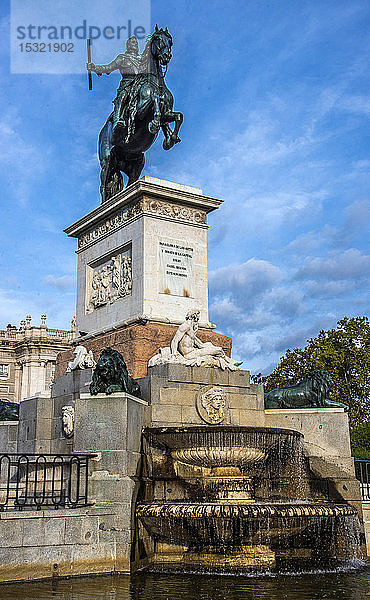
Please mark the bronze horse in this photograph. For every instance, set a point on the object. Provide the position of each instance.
(149, 108)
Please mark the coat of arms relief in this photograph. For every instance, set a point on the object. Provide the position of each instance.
(110, 281)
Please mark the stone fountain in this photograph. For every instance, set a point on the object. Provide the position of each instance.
(196, 472)
(241, 498)
(220, 489)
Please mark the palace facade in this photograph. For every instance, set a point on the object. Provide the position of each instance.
(28, 356)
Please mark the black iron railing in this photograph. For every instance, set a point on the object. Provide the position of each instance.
(43, 480)
(362, 467)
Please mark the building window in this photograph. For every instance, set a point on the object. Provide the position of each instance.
(52, 374)
(49, 374)
(4, 370)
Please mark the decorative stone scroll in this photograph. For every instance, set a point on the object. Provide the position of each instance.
(145, 206)
(210, 405)
(110, 281)
(174, 211)
(68, 421)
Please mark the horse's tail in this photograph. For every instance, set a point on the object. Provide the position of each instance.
(105, 140)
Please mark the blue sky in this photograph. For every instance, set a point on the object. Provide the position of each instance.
(276, 103)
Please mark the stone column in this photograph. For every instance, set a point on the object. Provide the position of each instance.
(111, 426)
(25, 378)
(37, 371)
(18, 382)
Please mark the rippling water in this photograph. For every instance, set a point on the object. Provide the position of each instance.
(349, 584)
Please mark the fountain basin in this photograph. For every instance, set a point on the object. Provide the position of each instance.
(224, 440)
(204, 505)
(221, 525)
(221, 461)
(213, 456)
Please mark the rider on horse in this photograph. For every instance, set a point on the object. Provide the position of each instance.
(130, 65)
(142, 107)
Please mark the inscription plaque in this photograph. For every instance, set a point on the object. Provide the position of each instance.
(176, 267)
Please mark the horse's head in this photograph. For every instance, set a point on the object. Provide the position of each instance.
(161, 44)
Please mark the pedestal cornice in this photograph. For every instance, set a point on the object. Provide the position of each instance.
(148, 196)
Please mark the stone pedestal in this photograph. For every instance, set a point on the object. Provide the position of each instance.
(174, 391)
(143, 255)
(142, 265)
(138, 343)
(366, 516)
(8, 436)
(325, 430)
(111, 427)
(326, 444)
(35, 424)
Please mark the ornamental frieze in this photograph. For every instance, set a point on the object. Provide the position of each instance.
(174, 211)
(145, 206)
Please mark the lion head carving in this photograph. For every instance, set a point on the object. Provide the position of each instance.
(110, 375)
(321, 384)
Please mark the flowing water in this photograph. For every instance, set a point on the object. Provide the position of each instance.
(351, 583)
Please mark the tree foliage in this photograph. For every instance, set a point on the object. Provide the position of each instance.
(345, 353)
(360, 441)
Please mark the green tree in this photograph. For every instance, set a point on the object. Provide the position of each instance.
(360, 441)
(345, 353)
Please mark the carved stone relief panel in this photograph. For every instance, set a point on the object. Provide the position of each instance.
(68, 421)
(211, 405)
(109, 281)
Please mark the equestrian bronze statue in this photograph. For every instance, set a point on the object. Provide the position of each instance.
(143, 105)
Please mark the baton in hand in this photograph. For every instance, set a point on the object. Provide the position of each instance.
(89, 60)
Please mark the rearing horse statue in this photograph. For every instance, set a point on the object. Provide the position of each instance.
(143, 105)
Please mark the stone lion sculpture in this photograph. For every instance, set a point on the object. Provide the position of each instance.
(110, 375)
(310, 392)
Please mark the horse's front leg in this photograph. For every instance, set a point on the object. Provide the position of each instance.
(149, 102)
(171, 136)
(155, 124)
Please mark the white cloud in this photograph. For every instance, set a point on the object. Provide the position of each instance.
(63, 282)
(330, 289)
(246, 281)
(350, 264)
(355, 221)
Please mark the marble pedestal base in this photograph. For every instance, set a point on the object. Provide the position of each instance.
(138, 343)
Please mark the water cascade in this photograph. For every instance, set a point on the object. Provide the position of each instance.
(240, 498)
